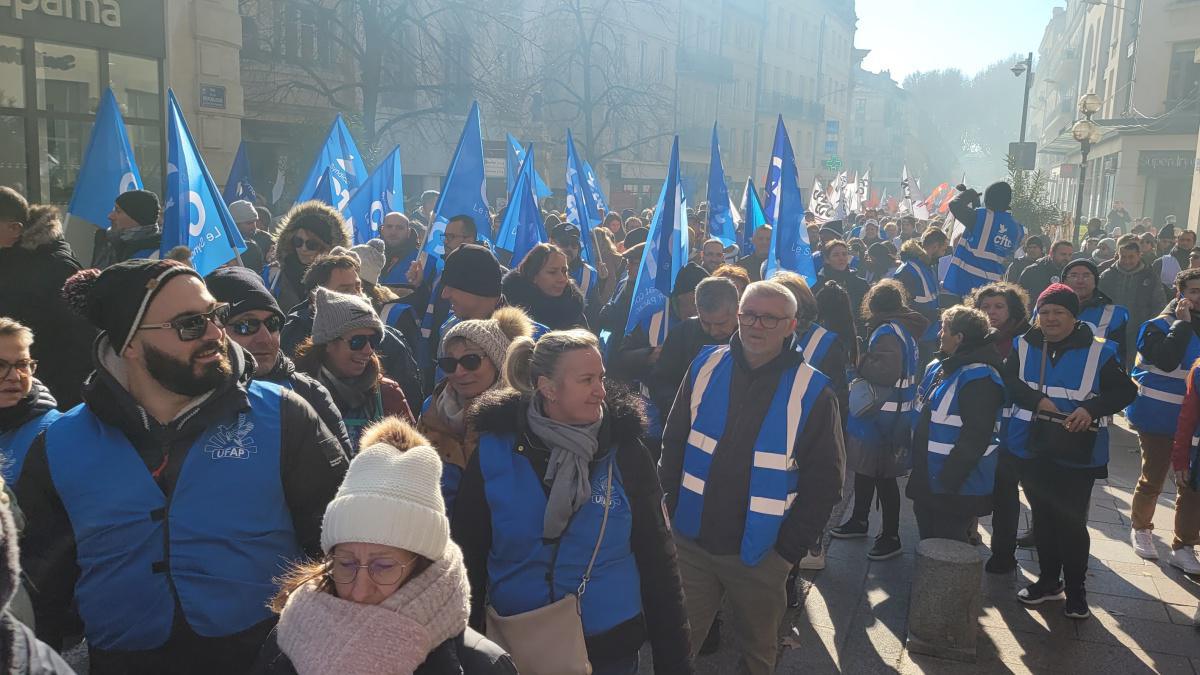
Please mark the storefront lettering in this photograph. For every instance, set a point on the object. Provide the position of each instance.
(102, 12)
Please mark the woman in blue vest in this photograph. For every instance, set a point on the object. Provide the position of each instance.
(1071, 382)
(921, 282)
(874, 438)
(955, 440)
(531, 507)
(26, 405)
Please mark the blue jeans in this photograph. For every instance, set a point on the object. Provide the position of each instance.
(625, 665)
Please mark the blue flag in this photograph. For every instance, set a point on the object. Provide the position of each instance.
(665, 254)
(512, 167)
(581, 205)
(108, 167)
(790, 249)
(597, 194)
(238, 185)
(340, 155)
(720, 211)
(464, 192)
(522, 228)
(195, 214)
(750, 200)
(323, 192)
(382, 193)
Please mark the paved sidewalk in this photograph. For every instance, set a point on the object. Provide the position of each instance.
(855, 612)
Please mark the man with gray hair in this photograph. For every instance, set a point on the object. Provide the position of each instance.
(716, 305)
(751, 468)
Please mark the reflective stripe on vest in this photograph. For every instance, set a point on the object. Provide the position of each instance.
(227, 526)
(945, 425)
(1105, 320)
(773, 473)
(392, 312)
(979, 257)
(900, 401)
(1074, 379)
(814, 345)
(14, 444)
(585, 277)
(925, 281)
(1160, 393)
(525, 572)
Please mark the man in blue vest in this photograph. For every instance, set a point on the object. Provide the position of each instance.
(1107, 319)
(990, 237)
(1167, 347)
(164, 506)
(752, 466)
(403, 245)
(26, 405)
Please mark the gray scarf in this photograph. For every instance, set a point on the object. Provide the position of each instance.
(571, 450)
(451, 408)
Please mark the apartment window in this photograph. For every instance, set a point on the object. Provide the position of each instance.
(1183, 76)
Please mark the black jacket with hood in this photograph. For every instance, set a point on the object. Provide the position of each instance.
(311, 466)
(664, 618)
(1038, 276)
(315, 394)
(287, 270)
(561, 313)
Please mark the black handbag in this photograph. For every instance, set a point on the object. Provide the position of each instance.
(1049, 438)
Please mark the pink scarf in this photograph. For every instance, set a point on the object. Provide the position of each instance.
(321, 633)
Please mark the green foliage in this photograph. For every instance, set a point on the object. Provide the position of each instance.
(1031, 203)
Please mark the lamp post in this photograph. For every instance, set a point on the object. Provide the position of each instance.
(1024, 68)
(1087, 133)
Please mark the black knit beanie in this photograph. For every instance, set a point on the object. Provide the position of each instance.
(242, 289)
(472, 268)
(141, 205)
(688, 278)
(1082, 262)
(116, 299)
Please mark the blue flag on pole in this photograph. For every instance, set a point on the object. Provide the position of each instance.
(512, 167)
(790, 249)
(340, 155)
(382, 193)
(323, 192)
(581, 205)
(464, 192)
(597, 194)
(108, 167)
(665, 254)
(238, 186)
(195, 214)
(750, 200)
(522, 228)
(720, 211)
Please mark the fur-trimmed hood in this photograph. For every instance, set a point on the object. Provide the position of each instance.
(317, 217)
(504, 412)
(44, 227)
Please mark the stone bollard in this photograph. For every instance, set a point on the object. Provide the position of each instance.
(943, 611)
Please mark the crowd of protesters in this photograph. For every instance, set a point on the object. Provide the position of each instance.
(334, 458)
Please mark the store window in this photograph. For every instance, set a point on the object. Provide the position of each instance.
(67, 78)
(14, 167)
(12, 72)
(63, 142)
(134, 82)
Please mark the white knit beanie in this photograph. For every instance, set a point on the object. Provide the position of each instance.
(492, 335)
(392, 498)
(371, 260)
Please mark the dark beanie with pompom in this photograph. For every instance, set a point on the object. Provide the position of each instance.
(116, 299)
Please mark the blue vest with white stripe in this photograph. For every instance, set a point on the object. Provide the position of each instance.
(525, 572)
(1107, 321)
(213, 547)
(981, 253)
(14, 444)
(774, 474)
(1074, 379)
(588, 280)
(879, 424)
(815, 344)
(926, 298)
(1160, 394)
(393, 312)
(1194, 450)
(945, 425)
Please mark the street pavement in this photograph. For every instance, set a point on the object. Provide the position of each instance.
(854, 615)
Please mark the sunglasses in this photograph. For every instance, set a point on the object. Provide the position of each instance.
(357, 342)
(248, 327)
(310, 244)
(193, 326)
(449, 364)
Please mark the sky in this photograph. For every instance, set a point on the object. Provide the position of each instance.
(920, 35)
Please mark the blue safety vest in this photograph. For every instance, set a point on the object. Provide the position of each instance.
(1074, 379)
(1160, 393)
(526, 572)
(588, 280)
(925, 300)
(396, 274)
(815, 344)
(774, 475)
(393, 312)
(1194, 451)
(213, 547)
(981, 253)
(14, 444)
(1107, 321)
(945, 425)
(877, 425)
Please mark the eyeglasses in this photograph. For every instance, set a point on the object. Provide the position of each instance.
(23, 367)
(1083, 276)
(747, 319)
(383, 571)
(310, 244)
(248, 327)
(357, 342)
(193, 326)
(449, 364)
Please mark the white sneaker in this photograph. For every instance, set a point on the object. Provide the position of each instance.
(1143, 544)
(1185, 559)
(812, 562)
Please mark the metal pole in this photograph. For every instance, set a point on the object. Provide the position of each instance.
(1028, 83)
(1084, 148)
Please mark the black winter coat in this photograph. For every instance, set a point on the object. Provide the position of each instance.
(561, 313)
(317, 396)
(468, 654)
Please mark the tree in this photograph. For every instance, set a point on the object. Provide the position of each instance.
(1031, 202)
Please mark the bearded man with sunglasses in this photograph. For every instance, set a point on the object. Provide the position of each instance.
(166, 504)
(255, 322)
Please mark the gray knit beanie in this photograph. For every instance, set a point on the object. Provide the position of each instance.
(371, 260)
(492, 335)
(335, 314)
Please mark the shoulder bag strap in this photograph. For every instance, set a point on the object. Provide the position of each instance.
(587, 575)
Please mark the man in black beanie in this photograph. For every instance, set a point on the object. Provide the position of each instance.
(172, 430)
(133, 230)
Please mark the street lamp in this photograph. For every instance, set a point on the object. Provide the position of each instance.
(1087, 133)
(1024, 68)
